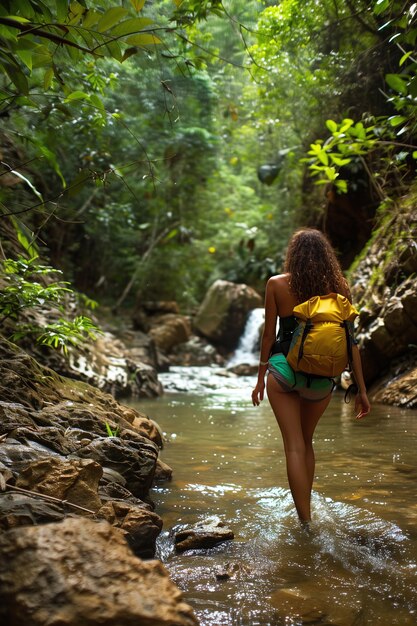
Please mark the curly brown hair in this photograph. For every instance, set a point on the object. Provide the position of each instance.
(313, 267)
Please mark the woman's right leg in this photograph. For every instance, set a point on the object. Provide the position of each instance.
(286, 406)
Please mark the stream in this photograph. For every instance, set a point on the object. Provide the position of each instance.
(356, 567)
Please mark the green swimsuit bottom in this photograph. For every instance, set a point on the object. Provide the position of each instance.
(307, 387)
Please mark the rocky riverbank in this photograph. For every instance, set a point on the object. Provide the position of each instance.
(75, 515)
(384, 280)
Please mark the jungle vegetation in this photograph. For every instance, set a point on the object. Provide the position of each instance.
(152, 147)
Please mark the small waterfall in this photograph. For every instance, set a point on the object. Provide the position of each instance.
(248, 348)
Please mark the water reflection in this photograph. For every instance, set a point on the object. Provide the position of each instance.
(358, 563)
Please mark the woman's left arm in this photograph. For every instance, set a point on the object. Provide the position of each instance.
(362, 404)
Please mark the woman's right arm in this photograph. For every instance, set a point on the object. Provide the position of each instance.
(268, 339)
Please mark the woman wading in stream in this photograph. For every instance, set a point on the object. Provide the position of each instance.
(311, 269)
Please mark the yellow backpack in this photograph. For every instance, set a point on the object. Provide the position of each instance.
(322, 342)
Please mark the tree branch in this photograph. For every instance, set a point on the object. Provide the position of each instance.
(25, 29)
(357, 16)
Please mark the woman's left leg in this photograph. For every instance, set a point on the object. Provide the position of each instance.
(311, 413)
(286, 406)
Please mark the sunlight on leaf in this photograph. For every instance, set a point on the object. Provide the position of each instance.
(137, 4)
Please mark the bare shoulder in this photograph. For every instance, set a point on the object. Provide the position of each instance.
(280, 281)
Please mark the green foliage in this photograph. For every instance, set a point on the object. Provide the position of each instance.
(44, 35)
(25, 292)
(110, 432)
(189, 11)
(347, 141)
(138, 163)
(388, 134)
(401, 22)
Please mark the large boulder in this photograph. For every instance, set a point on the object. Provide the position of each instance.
(222, 315)
(80, 572)
(170, 330)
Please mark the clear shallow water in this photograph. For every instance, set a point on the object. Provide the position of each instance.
(359, 565)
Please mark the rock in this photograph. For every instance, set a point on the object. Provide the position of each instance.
(133, 458)
(147, 381)
(58, 440)
(110, 365)
(204, 534)
(114, 491)
(152, 307)
(170, 330)
(222, 315)
(244, 369)
(148, 428)
(25, 382)
(111, 476)
(74, 480)
(17, 509)
(399, 391)
(5, 475)
(232, 570)
(163, 472)
(196, 351)
(16, 455)
(138, 345)
(140, 526)
(13, 415)
(82, 572)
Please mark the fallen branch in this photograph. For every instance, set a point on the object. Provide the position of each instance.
(50, 498)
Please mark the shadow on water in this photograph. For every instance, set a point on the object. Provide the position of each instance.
(356, 565)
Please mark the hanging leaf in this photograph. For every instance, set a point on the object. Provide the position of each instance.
(61, 10)
(77, 95)
(396, 120)
(380, 6)
(405, 57)
(28, 183)
(137, 4)
(25, 237)
(396, 83)
(331, 125)
(26, 57)
(131, 26)
(47, 78)
(17, 77)
(145, 39)
(91, 18)
(41, 57)
(110, 18)
(51, 158)
(115, 51)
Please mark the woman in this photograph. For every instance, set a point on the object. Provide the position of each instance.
(311, 269)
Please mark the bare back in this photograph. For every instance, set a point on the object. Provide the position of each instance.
(285, 300)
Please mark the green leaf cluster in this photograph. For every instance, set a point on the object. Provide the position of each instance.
(26, 291)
